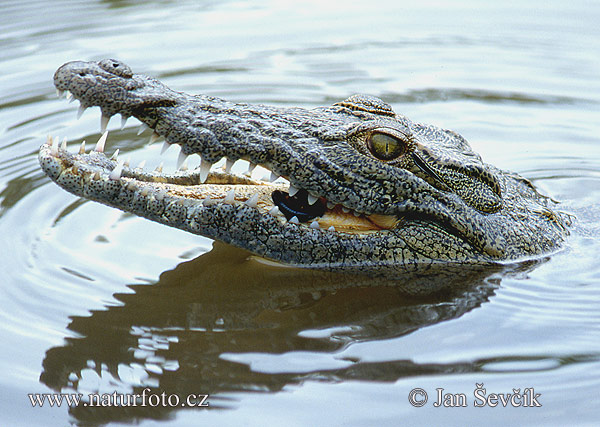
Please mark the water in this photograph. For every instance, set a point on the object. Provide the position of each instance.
(93, 300)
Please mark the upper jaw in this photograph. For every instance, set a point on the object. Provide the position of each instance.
(111, 86)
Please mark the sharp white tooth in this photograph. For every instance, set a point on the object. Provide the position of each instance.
(252, 201)
(96, 176)
(123, 121)
(63, 145)
(153, 138)
(142, 128)
(59, 93)
(274, 211)
(330, 205)
(292, 191)
(82, 148)
(181, 159)
(127, 162)
(356, 213)
(312, 199)
(251, 167)
(332, 228)
(116, 172)
(165, 147)
(68, 95)
(80, 111)
(315, 225)
(230, 197)
(115, 155)
(104, 119)
(54, 147)
(101, 143)
(228, 165)
(294, 220)
(159, 168)
(273, 177)
(345, 209)
(184, 166)
(204, 170)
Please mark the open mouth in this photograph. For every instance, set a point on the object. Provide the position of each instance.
(205, 185)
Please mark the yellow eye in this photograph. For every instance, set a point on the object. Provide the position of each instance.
(385, 147)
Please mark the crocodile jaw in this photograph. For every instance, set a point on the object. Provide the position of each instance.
(371, 212)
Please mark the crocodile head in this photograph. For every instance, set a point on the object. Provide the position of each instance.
(353, 184)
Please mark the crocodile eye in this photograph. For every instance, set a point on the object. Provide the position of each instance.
(385, 147)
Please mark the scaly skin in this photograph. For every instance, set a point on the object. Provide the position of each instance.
(385, 191)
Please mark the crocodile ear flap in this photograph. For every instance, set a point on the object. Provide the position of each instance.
(369, 104)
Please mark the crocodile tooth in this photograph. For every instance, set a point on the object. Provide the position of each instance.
(312, 199)
(82, 147)
(251, 167)
(153, 138)
(80, 111)
(228, 165)
(96, 176)
(345, 209)
(142, 128)
(54, 147)
(230, 197)
(115, 155)
(127, 162)
(273, 177)
(330, 205)
(123, 121)
(101, 142)
(104, 119)
(159, 168)
(116, 172)
(181, 159)
(63, 145)
(204, 170)
(332, 228)
(165, 147)
(252, 201)
(141, 165)
(59, 93)
(292, 191)
(184, 166)
(294, 220)
(315, 225)
(274, 211)
(69, 96)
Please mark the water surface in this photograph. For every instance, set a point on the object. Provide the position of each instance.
(94, 300)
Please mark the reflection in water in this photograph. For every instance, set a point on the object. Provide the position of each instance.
(175, 336)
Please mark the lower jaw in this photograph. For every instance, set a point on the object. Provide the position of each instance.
(220, 188)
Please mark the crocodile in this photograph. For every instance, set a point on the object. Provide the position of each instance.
(353, 184)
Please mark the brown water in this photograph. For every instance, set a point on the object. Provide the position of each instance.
(96, 301)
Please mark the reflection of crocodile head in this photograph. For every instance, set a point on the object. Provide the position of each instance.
(365, 186)
(183, 334)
